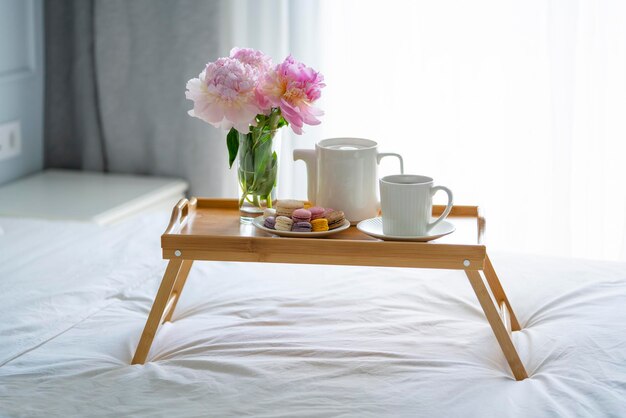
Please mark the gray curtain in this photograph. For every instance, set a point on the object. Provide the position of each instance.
(115, 89)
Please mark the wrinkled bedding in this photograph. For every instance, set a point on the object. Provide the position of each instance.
(269, 340)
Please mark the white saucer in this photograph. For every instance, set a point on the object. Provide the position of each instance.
(258, 223)
(374, 227)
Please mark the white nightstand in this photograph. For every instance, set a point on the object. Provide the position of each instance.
(87, 196)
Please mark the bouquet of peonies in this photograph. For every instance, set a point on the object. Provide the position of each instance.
(247, 95)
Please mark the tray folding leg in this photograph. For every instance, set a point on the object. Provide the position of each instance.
(164, 304)
(498, 292)
(178, 288)
(500, 316)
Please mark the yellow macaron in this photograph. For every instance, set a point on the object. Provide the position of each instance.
(319, 225)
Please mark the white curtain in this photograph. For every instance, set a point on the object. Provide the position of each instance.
(517, 106)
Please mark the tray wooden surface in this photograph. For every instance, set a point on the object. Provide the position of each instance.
(209, 229)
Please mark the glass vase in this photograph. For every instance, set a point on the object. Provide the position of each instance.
(257, 169)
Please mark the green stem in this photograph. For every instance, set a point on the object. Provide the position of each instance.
(274, 118)
(255, 172)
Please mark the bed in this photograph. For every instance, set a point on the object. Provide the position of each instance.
(269, 340)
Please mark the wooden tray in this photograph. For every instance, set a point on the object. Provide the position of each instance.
(209, 229)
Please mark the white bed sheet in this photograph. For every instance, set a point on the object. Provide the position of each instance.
(54, 274)
(290, 340)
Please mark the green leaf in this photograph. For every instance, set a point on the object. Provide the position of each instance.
(282, 122)
(264, 137)
(261, 157)
(232, 142)
(274, 168)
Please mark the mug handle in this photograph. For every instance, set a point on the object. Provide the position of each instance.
(446, 212)
(382, 155)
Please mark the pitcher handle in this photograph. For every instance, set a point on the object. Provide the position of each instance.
(382, 155)
(446, 212)
(310, 159)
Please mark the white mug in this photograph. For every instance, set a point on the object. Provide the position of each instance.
(407, 202)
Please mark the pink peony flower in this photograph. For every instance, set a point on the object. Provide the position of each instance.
(224, 93)
(294, 88)
(260, 62)
(232, 91)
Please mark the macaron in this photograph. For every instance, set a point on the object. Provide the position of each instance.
(307, 204)
(301, 215)
(316, 212)
(327, 212)
(286, 207)
(283, 223)
(267, 212)
(319, 225)
(335, 219)
(270, 222)
(301, 227)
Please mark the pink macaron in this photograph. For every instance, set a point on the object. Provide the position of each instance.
(301, 215)
(316, 212)
(327, 212)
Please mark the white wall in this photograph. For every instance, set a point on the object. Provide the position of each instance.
(21, 82)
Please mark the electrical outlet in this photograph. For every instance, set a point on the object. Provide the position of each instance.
(10, 140)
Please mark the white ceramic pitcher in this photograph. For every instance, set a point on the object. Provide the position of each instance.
(342, 174)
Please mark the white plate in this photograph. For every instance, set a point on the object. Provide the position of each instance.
(258, 223)
(374, 228)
